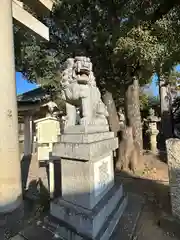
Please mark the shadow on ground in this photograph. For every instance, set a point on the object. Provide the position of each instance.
(162, 156)
(155, 193)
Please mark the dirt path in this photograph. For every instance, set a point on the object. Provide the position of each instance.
(151, 183)
(148, 229)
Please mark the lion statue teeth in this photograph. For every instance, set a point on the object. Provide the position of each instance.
(80, 92)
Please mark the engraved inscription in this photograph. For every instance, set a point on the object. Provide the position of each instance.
(103, 174)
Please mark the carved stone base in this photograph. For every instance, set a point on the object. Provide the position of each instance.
(90, 203)
(79, 129)
(96, 223)
(50, 228)
(87, 171)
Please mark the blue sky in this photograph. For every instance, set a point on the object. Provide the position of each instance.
(154, 88)
(23, 86)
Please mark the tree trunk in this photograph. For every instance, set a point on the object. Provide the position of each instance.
(132, 108)
(112, 118)
(111, 108)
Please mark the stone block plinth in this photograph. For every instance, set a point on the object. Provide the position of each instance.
(85, 147)
(89, 197)
(173, 153)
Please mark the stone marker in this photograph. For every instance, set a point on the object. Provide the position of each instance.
(173, 153)
(90, 205)
(38, 173)
(48, 131)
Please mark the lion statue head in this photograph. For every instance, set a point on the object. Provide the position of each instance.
(79, 70)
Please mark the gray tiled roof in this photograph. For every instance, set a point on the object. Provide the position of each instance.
(36, 95)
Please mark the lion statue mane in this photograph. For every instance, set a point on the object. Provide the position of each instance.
(80, 92)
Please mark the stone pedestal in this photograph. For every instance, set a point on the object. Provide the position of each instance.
(173, 146)
(153, 142)
(153, 131)
(90, 203)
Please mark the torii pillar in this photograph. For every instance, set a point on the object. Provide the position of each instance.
(10, 171)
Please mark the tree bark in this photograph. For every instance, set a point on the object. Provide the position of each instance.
(132, 110)
(111, 108)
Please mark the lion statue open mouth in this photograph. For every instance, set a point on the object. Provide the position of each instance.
(82, 69)
(80, 91)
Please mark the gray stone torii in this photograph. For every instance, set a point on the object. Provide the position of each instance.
(10, 172)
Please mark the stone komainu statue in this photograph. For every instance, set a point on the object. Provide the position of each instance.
(80, 92)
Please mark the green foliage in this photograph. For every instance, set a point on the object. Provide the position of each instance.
(140, 50)
(36, 62)
(143, 101)
(153, 101)
(176, 109)
(147, 102)
(168, 29)
(123, 38)
(174, 79)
